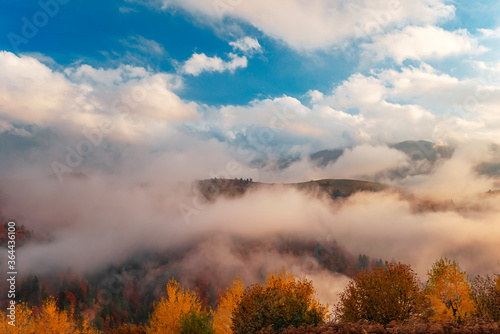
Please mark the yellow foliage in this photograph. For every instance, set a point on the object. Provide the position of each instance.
(49, 320)
(286, 282)
(449, 292)
(170, 309)
(281, 281)
(226, 307)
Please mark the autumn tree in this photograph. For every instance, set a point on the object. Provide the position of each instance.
(47, 320)
(171, 309)
(227, 305)
(383, 294)
(283, 301)
(51, 320)
(24, 321)
(449, 291)
(486, 297)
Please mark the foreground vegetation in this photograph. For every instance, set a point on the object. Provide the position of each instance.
(385, 299)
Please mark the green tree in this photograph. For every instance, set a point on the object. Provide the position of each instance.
(379, 263)
(362, 262)
(383, 294)
(196, 323)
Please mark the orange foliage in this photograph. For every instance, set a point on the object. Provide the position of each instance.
(449, 291)
(282, 302)
(226, 307)
(24, 323)
(49, 320)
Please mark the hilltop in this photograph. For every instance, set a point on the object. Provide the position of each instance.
(335, 188)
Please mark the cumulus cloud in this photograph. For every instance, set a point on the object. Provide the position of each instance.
(421, 43)
(383, 107)
(419, 103)
(32, 92)
(319, 23)
(200, 62)
(490, 33)
(80, 97)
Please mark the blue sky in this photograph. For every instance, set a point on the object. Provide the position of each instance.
(94, 32)
(346, 73)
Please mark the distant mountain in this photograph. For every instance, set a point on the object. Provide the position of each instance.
(422, 149)
(324, 157)
(415, 149)
(490, 169)
(423, 157)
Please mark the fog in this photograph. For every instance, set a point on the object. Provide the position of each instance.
(90, 222)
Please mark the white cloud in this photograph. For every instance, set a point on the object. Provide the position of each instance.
(490, 33)
(90, 75)
(359, 90)
(30, 91)
(127, 10)
(421, 43)
(426, 86)
(486, 70)
(200, 62)
(247, 45)
(366, 160)
(457, 175)
(306, 25)
(386, 106)
(144, 45)
(80, 97)
(419, 103)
